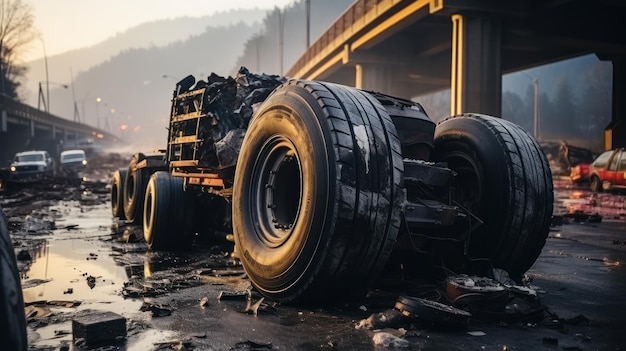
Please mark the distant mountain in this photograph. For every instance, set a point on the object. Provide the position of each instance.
(135, 86)
(148, 35)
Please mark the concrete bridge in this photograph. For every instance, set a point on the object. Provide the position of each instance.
(23, 127)
(412, 47)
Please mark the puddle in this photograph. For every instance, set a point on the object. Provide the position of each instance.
(76, 265)
(69, 257)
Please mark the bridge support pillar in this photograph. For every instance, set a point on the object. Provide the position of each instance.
(615, 132)
(476, 72)
(32, 128)
(374, 77)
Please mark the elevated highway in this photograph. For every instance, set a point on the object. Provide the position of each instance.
(412, 47)
(23, 127)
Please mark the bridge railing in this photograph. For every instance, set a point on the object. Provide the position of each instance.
(20, 110)
(339, 32)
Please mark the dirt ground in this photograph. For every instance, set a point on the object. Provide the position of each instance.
(75, 260)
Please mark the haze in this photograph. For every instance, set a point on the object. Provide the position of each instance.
(70, 24)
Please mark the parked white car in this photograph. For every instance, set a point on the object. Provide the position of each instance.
(29, 165)
(72, 162)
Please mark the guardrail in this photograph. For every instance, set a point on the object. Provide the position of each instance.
(333, 37)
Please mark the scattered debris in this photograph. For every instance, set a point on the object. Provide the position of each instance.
(433, 313)
(178, 345)
(98, 327)
(580, 216)
(160, 311)
(204, 301)
(252, 345)
(387, 319)
(37, 222)
(234, 295)
(609, 262)
(389, 340)
(31, 283)
(69, 291)
(24, 255)
(476, 333)
(476, 293)
(91, 281)
(254, 308)
(157, 310)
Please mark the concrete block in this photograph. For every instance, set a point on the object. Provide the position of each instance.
(98, 327)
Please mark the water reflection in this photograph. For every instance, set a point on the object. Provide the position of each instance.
(67, 264)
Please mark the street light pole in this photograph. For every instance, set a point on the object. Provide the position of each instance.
(308, 22)
(98, 101)
(281, 34)
(76, 114)
(41, 98)
(44, 99)
(45, 60)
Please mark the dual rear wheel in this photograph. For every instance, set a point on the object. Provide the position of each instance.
(318, 191)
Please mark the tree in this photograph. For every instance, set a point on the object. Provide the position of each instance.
(17, 31)
(565, 118)
(514, 110)
(596, 107)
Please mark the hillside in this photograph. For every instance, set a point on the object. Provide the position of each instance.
(148, 35)
(132, 86)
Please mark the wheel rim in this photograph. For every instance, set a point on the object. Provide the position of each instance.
(147, 216)
(276, 191)
(468, 183)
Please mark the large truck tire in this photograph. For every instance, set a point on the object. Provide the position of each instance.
(12, 317)
(317, 192)
(134, 189)
(117, 193)
(504, 179)
(165, 216)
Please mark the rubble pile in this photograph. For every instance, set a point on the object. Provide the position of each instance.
(226, 107)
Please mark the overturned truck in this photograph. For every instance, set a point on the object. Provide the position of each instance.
(321, 186)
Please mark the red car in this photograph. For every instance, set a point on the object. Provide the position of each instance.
(608, 171)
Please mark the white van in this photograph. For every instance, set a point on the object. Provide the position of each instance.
(72, 162)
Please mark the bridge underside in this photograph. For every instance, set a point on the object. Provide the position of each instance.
(425, 46)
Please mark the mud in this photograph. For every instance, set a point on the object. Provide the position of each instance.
(76, 260)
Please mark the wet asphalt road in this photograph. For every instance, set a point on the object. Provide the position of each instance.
(82, 264)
